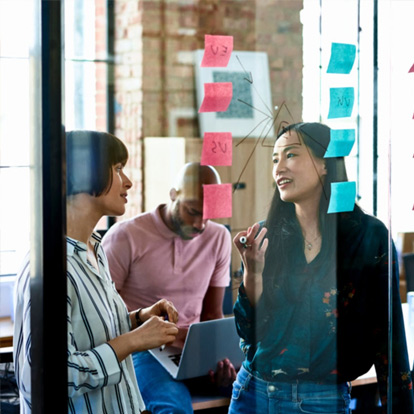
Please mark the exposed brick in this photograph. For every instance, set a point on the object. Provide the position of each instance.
(151, 80)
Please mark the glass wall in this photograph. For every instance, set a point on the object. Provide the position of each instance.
(134, 69)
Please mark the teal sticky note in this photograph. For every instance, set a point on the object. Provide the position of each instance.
(342, 197)
(341, 143)
(342, 58)
(341, 102)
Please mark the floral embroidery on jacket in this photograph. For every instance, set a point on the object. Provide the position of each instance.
(331, 311)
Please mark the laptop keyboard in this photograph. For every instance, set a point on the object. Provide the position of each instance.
(175, 358)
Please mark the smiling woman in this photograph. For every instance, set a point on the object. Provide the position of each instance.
(298, 174)
(312, 283)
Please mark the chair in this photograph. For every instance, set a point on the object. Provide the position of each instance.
(408, 260)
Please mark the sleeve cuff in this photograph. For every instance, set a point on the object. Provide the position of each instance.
(108, 363)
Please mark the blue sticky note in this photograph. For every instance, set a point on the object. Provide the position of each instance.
(341, 143)
(341, 102)
(342, 58)
(342, 197)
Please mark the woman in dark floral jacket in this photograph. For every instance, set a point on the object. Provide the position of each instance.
(312, 311)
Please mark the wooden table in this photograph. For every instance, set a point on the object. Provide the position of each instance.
(6, 332)
(6, 340)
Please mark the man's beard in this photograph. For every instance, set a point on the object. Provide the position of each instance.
(180, 228)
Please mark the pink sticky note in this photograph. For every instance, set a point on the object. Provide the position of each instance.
(412, 69)
(217, 51)
(217, 97)
(217, 149)
(217, 201)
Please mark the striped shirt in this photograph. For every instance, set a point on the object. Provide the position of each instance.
(97, 382)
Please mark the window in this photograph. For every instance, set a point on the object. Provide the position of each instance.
(14, 142)
(395, 90)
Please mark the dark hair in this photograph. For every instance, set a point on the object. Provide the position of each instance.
(90, 156)
(284, 233)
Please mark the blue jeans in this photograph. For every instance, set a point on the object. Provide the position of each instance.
(161, 393)
(252, 395)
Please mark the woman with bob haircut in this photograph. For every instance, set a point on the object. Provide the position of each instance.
(102, 335)
(312, 310)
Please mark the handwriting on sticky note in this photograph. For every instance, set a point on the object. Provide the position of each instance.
(217, 97)
(217, 51)
(341, 143)
(217, 149)
(341, 102)
(217, 201)
(342, 58)
(342, 197)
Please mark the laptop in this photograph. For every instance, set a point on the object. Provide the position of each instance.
(206, 344)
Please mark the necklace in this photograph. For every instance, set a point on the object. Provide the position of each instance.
(308, 244)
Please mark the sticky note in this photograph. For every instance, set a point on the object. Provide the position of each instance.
(341, 143)
(342, 58)
(217, 51)
(217, 97)
(217, 201)
(412, 69)
(342, 197)
(217, 149)
(341, 102)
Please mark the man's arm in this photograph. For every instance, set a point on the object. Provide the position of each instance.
(213, 304)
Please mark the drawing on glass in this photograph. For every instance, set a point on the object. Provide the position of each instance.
(250, 109)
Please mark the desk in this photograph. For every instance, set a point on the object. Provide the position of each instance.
(6, 332)
(6, 340)
(206, 402)
(370, 377)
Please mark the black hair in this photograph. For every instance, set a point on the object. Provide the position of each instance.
(90, 156)
(284, 232)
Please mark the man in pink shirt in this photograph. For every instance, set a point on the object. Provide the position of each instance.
(173, 253)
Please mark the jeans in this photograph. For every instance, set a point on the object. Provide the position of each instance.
(252, 395)
(160, 392)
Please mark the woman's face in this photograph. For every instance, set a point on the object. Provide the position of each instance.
(113, 202)
(297, 172)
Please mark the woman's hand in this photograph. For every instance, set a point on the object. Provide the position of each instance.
(154, 332)
(163, 308)
(252, 254)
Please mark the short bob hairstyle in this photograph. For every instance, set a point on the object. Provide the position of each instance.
(90, 156)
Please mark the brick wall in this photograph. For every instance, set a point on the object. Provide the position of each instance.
(155, 71)
(128, 92)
